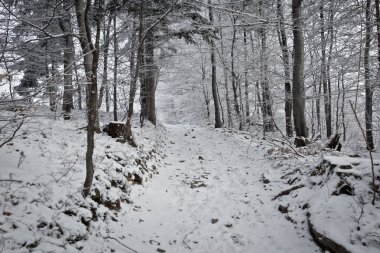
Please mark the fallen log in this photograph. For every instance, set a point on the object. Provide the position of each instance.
(114, 129)
(324, 242)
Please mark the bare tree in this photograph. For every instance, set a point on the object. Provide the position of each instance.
(285, 58)
(324, 74)
(68, 61)
(215, 95)
(298, 81)
(90, 52)
(367, 81)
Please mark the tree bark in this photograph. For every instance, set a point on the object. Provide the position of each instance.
(90, 59)
(268, 124)
(285, 58)
(215, 95)
(225, 76)
(298, 81)
(330, 33)
(150, 83)
(106, 46)
(68, 64)
(135, 65)
(233, 74)
(205, 86)
(324, 73)
(246, 83)
(367, 81)
(79, 86)
(115, 70)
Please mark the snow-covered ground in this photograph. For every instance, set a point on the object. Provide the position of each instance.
(209, 197)
(186, 188)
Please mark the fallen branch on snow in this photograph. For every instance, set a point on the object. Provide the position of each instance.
(11, 180)
(288, 191)
(113, 238)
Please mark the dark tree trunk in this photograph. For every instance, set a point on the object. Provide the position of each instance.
(79, 86)
(134, 75)
(215, 95)
(329, 59)
(298, 82)
(115, 70)
(268, 123)
(68, 64)
(324, 73)
(90, 58)
(205, 88)
(246, 83)
(233, 74)
(225, 77)
(367, 81)
(285, 57)
(342, 107)
(106, 47)
(150, 80)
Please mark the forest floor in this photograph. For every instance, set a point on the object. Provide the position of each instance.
(186, 188)
(209, 197)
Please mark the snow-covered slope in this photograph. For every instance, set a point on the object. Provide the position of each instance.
(42, 172)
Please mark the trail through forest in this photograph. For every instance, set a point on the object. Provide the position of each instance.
(209, 197)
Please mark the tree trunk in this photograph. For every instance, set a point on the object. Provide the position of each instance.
(233, 74)
(90, 58)
(143, 85)
(246, 83)
(225, 75)
(285, 57)
(330, 34)
(342, 107)
(215, 95)
(79, 86)
(115, 70)
(68, 64)
(205, 87)
(298, 82)
(367, 81)
(324, 73)
(134, 76)
(106, 47)
(268, 123)
(377, 14)
(150, 82)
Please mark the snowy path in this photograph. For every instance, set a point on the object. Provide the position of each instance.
(230, 211)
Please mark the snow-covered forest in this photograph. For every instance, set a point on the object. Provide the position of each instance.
(190, 126)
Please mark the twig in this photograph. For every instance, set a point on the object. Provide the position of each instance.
(11, 180)
(65, 173)
(288, 191)
(113, 238)
(369, 151)
(287, 140)
(14, 133)
(290, 146)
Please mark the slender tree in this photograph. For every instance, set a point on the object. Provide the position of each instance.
(298, 81)
(90, 52)
(367, 81)
(68, 61)
(106, 46)
(324, 74)
(215, 95)
(285, 58)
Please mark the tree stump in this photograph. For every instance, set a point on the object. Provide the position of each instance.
(334, 142)
(114, 129)
(301, 141)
